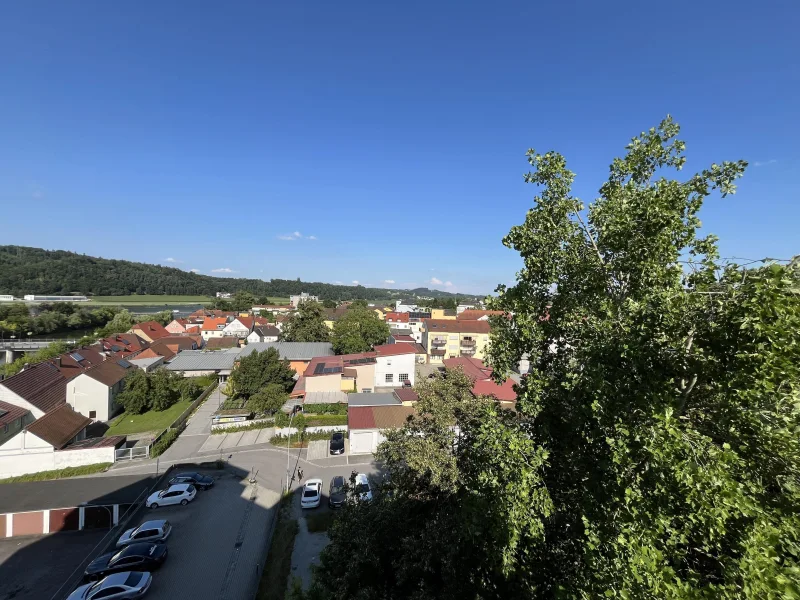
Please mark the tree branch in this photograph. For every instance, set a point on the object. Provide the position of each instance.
(590, 236)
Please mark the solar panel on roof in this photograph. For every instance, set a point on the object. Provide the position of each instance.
(124, 363)
(115, 348)
(76, 357)
(319, 368)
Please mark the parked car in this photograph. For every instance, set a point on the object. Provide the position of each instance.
(119, 586)
(149, 531)
(141, 556)
(312, 494)
(337, 443)
(180, 493)
(201, 482)
(337, 495)
(363, 490)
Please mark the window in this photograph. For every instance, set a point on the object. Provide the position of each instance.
(403, 377)
(92, 414)
(389, 377)
(366, 390)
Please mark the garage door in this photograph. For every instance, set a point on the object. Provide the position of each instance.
(362, 442)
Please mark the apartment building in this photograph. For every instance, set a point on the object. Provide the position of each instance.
(443, 338)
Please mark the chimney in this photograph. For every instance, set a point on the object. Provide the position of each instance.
(58, 361)
(25, 366)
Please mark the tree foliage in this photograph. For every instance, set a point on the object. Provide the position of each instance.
(657, 430)
(259, 369)
(306, 324)
(135, 396)
(46, 353)
(358, 331)
(268, 400)
(157, 390)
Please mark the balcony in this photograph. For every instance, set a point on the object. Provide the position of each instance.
(437, 352)
(467, 352)
(468, 343)
(439, 341)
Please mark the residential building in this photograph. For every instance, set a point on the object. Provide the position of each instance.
(415, 320)
(483, 384)
(395, 365)
(299, 354)
(402, 306)
(39, 388)
(239, 327)
(122, 345)
(443, 338)
(334, 314)
(462, 307)
(396, 319)
(477, 315)
(400, 338)
(443, 313)
(379, 311)
(303, 297)
(213, 327)
(367, 424)
(264, 333)
(278, 309)
(149, 331)
(73, 363)
(193, 363)
(94, 392)
(177, 326)
(13, 419)
(148, 364)
(222, 342)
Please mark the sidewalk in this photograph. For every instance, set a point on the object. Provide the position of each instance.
(197, 429)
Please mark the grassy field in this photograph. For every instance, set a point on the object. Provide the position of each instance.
(151, 299)
(58, 474)
(152, 420)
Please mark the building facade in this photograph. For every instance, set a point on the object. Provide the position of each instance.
(444, 338)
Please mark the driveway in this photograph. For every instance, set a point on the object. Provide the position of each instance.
(198, 429)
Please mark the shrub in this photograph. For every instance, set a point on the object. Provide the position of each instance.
(326, 409)
(165, 442)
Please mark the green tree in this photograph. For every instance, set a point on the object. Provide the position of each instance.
(135, 397)
(165, 388)
(51, 351)
(328, 303)
(360, 302)
(358, 331)
(268, 400)
(259, 369)
(243, 301)
(306, 324)
(163, 317)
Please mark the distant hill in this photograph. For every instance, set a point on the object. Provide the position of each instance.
(26, 270)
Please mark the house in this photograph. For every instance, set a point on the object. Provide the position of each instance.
(168, 347)
(389, 365)
(395, 365)
(462, 307)
(177, 326)
(13, 419)
(278, 309)
(39, 388)
(213, 327)
(402, 306)
(366, 424)
(303, 297)
(483, 384)
(415, 320)
(94, 392)
(299, 354)
(73, 363)
(263, 333)
(397, 320)
(149, 331)
(444, 338)
(379, 311)
(239, 327)
(147, 364)
(396, 338)
(122, 345)
(224, 295)
(442, 313)
(193, 363)
(477, 315)
(334, 314)
(223, 342)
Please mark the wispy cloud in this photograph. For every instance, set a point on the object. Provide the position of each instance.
(764, 163)
(355, 281)
(172, 260)
(435, 281)
(223, 270)
(194, 270)
(294, 236)
(388, 281)
(448, 284)
(338, 282)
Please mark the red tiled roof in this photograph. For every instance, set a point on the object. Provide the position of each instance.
(378, 417)
(213, 323)
(123, 343)
(403, 338)
(222, 342)
(449, 325)
(10, 413)
(42, 385)
(59, 426)
(394, 349)
(473, 367)
(474, 315)
(70, 367)
(299, 388)
(246, 321)
(504, 392)
(360, 417)
(406, 394)
(170, 346)
(151, 329)
(96, 442)
(396, 317)
(108, 373)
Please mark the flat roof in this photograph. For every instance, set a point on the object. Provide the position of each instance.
(378, 399)
(292, 350)
(202, 360)
(66, 493)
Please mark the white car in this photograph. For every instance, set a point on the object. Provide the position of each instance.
(363, 490)
(119, 586)
(180, 493)
(149, 531)
(312, 494)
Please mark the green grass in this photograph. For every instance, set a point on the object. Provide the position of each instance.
(151, 299)
(152, 420)
(320, 521)
(58, 474)
(244, 427)
(275, 575)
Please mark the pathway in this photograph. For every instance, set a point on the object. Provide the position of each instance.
(198, 429)
(221, 442)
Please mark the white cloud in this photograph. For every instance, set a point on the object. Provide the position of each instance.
(172, 260)
(448, 284)
(388, 281)
(297, 234)
(338, 282)
(223, 270)
(435, 281)
(355, 281)
(764, 163)
(194, 270)
(312, 237)
(286, 238)
(294, 236)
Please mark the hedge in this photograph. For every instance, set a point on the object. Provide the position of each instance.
(165, 442)
(325, 409)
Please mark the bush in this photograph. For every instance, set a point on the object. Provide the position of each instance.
(165, 442)
(326, 409)
(317, 420)
(244, 427)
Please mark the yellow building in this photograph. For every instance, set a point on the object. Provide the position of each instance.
(448, 338)
(441, 313)
(332, 315)
(380, 312)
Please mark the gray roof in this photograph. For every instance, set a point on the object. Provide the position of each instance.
(143, 363)
(204, 360)
(380, 399)
(292, 350)
(325, 397)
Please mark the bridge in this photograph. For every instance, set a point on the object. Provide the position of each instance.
(14, 348)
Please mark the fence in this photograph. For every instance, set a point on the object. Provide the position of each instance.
(131, 453)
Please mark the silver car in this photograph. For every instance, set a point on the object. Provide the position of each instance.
(119, 586)
(149, 531)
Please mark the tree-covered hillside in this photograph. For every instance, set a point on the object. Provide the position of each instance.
(26, 270)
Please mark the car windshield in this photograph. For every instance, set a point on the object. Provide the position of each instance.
(309, 493)
(337, 489)
(190, 489)
(362, 488)
(133, 579)
(338, 437)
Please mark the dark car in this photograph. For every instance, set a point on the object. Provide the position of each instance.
(135, 557)
(337, 443)
(337, 494)
(202, 482)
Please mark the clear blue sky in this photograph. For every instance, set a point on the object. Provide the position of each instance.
(394, 133)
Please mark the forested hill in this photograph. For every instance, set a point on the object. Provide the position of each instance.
(26, 270)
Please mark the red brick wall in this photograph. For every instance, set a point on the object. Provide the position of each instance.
(64, 519)
(30, 523)
(2, 526)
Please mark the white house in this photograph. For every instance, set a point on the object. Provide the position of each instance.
(93, 393)
(295, 300)
(366, 424)
(395, 365)
(240, 327)
(263, 333)
(213, 327)
(402, 307)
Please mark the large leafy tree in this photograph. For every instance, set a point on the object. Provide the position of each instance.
(135, 397)
(663, 385)
(358, 331)
(259, 369)
(306, 324)
(268, 400)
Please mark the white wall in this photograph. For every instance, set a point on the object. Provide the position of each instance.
(365, 441)
(77, 458)
(394, 365)
(235, 328)
(7, 395)
(25, 453)
(85, 394)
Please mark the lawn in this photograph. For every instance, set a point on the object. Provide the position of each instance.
(152, 420)
(58, 474)
(151, 299)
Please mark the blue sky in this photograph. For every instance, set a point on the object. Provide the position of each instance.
(225, 136)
